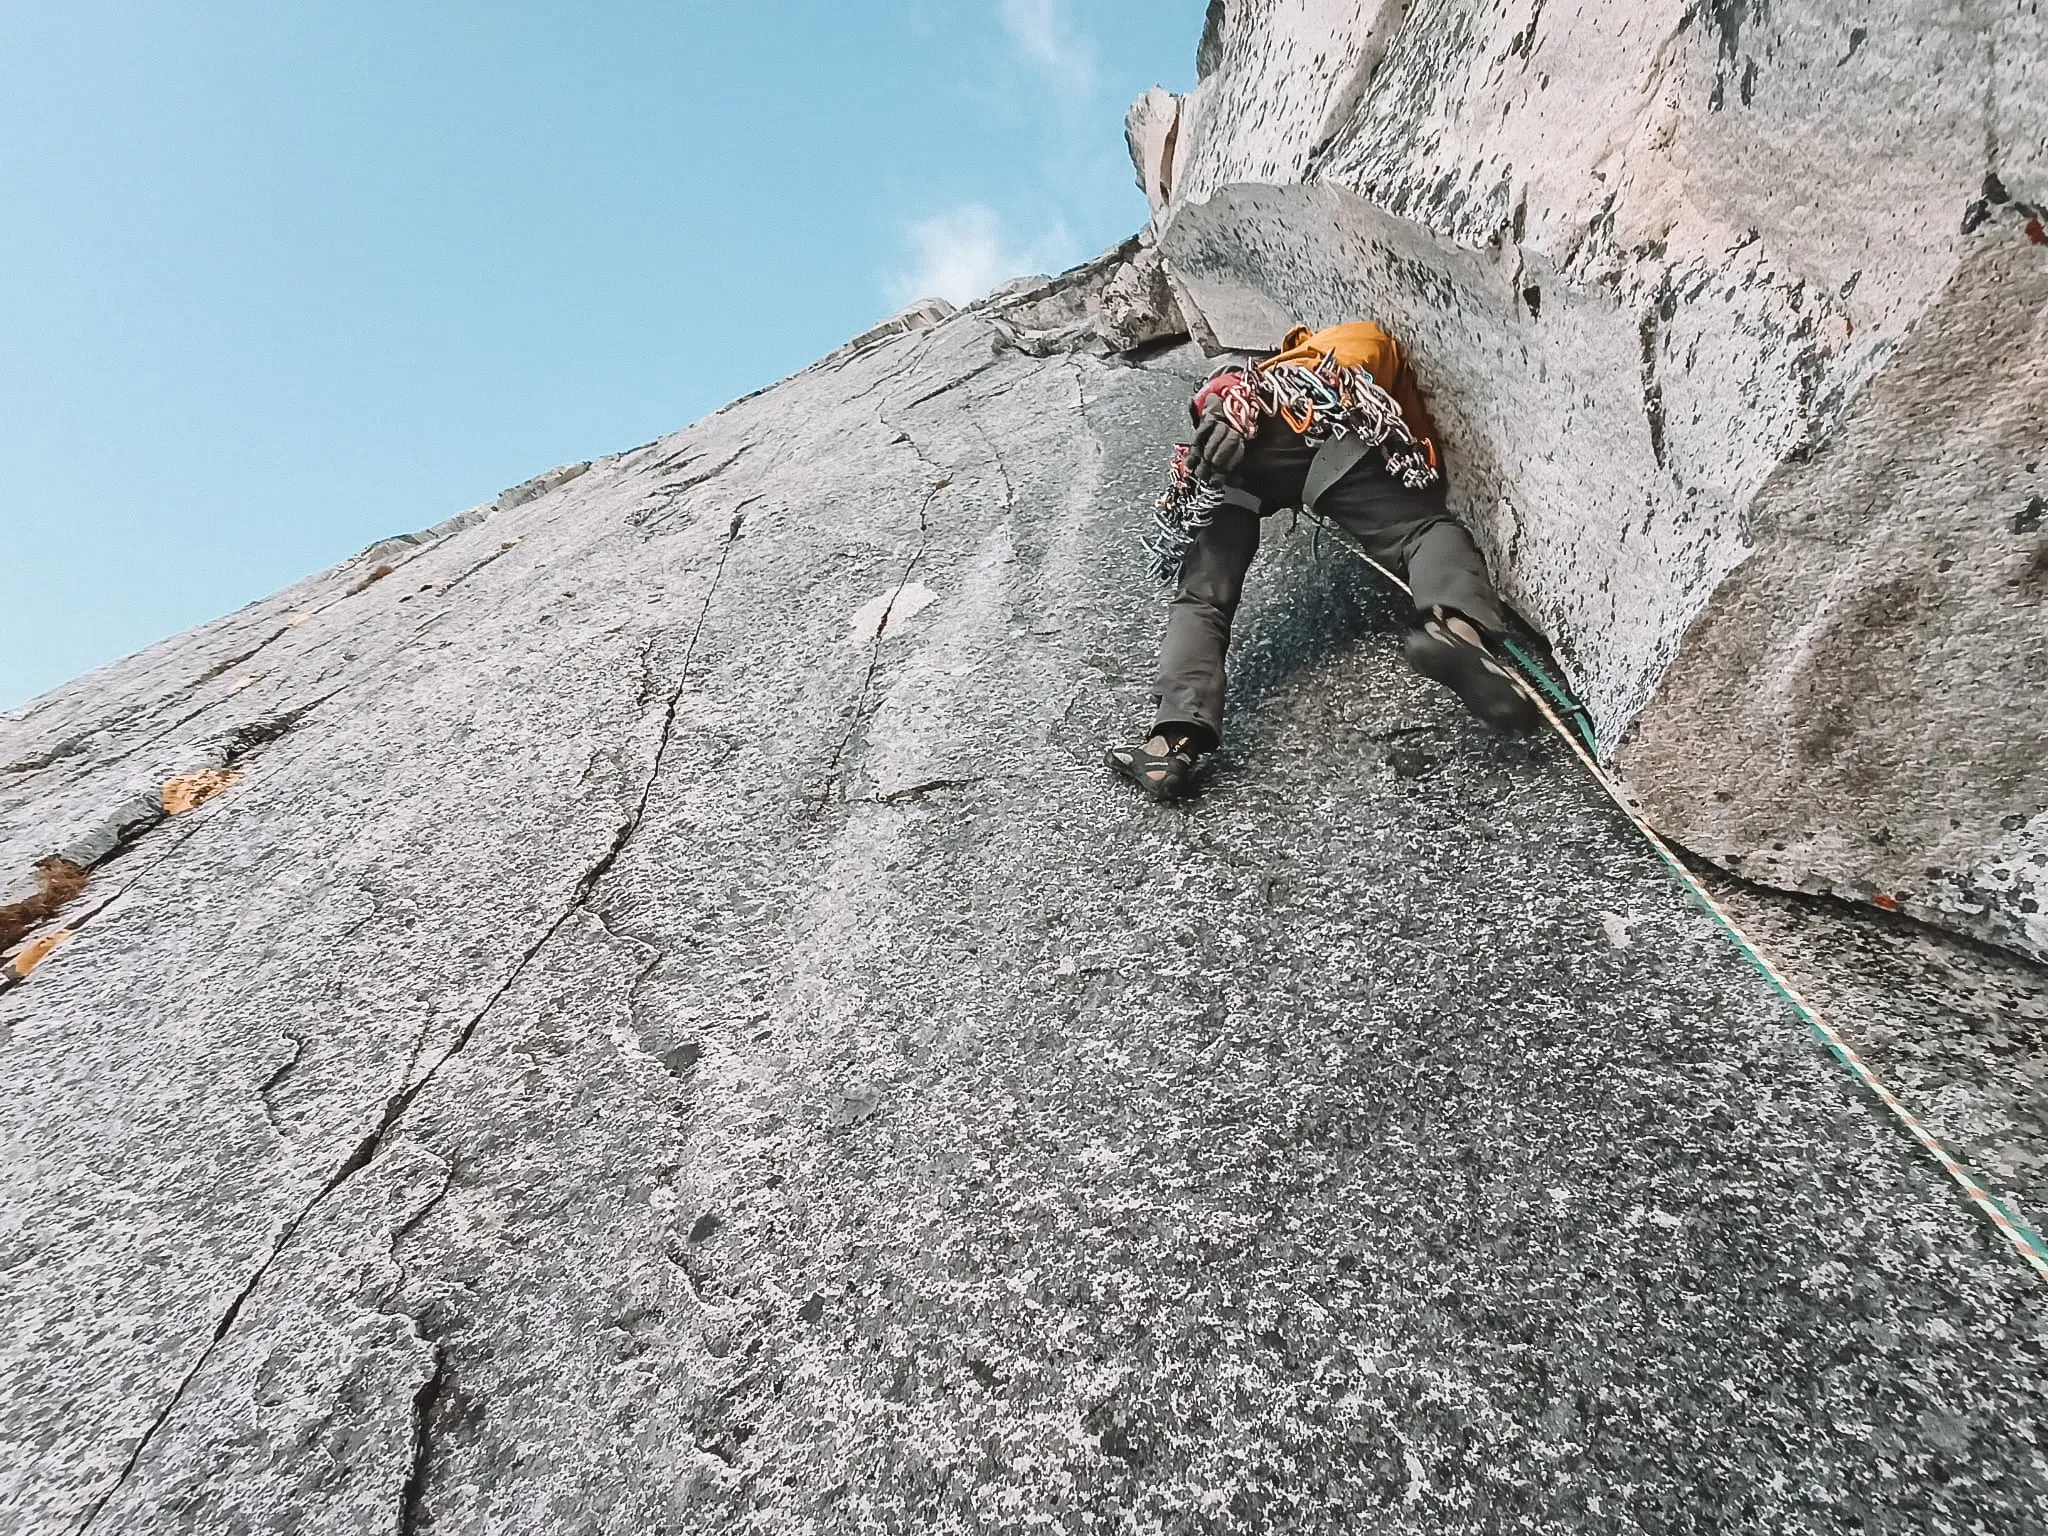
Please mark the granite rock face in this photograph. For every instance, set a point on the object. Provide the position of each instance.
(666, 1026)
(1734, 317)
(674, 1030)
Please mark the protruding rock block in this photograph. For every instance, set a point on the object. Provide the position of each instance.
(1734, 323)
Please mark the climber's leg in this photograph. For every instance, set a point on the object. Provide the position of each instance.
(1448, 647)
(1457, 610)
(1191, 678)
(1445, 570)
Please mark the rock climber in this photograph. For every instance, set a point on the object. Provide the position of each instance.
(1332, 422)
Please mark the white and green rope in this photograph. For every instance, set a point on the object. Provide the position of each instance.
(1552, 699)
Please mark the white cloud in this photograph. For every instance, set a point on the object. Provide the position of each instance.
(963, 253)
(1041, 31)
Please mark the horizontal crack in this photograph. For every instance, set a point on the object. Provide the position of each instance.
(503, 549)
(238, 744)
(916, 791)
(670, 495)
(952, 384)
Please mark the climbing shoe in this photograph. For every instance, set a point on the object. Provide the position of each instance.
(1462, 663)
(1162, 775)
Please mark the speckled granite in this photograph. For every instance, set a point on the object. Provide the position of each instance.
(1958, 1029)
(638, 1055)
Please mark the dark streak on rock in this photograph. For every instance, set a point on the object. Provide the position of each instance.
(1729, 17)
(1522, 42)
(270, 1084)
(499, 553)
(1649, 332)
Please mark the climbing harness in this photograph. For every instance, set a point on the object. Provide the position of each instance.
(1556, 703)
(1329, 404)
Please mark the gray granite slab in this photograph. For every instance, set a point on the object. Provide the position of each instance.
(648, 1052)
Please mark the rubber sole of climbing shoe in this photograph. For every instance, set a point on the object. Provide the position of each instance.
(1136, 765)
(1480, 682)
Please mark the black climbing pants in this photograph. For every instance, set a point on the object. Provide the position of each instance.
(1410, 532)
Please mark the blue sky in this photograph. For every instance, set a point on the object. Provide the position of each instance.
(279, 280)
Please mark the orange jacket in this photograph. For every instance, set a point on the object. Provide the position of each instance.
(1362, 344)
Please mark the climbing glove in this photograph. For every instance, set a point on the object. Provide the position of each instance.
(1218, 447)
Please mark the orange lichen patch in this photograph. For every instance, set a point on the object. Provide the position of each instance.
(58, 880)
(38, 950)
(189, 791)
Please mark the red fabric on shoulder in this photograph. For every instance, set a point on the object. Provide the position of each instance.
(1221, 380)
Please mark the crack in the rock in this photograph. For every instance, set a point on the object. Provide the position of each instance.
(412, 1494)
(157, 735)
(671, 495)
(1863, 913)
(220, 669)
(11, 978)
(71, 746)
(66, 746)
(656, 954)
(923, 788)
(504, 548)
(238, 744)
(860, 699)
(1649, 339)
(269, 1085)
(398, 1103)
(944, 479)
(952, 384)
(647, 691)
(1002, 464)
(405, 1228)
(925, 339)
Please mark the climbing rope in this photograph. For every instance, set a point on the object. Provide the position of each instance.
(1555, 703)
